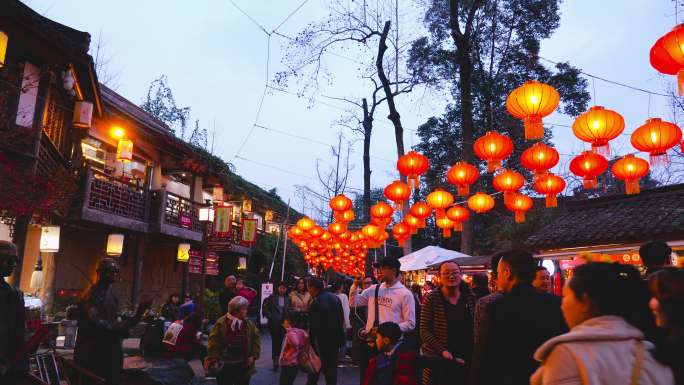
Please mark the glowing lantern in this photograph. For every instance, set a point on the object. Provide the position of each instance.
(630, 169)
(183, 254)
(401, 232)
(124, 150)
(115, 244)
(458, 215)
(550, 185)
(337, 228)
(667, 55)
(413, 222)
(656, 137)
(539, 158)
(246, 205)
(340, 203)
(519, 204)
(242, 263)
(397, 192)
(3, 48)
(217, 194)
(493, 148)
(421, 210)
(83, 114)
(412, 165)
(508, 182)
(268, 215)
(589, 166)
(295, 232)
(440, 200)
(531, 102)
(49, 239)
(598, 126)
(381, 213)
(345, 216)
(480, 202)
(445, 224)
(370, 231)
(315, 231)
(462, 175)
(306, 223)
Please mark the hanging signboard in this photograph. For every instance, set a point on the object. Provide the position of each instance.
(211, 266)
(249, 230)
(266, 291)
(195, 262)
(223, 221)
(185, 220)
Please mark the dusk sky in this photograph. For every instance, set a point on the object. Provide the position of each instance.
(215, 61)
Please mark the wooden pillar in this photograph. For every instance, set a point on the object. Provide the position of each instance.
(49, 278)
(140, 250)
(19, 239)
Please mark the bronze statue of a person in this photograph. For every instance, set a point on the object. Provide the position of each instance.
(100, 331)
(12, 317)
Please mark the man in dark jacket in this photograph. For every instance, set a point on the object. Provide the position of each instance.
(229, 292)
(518, 323)
(326, 329)
(12, 318)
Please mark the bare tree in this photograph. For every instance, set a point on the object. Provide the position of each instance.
(103, 67)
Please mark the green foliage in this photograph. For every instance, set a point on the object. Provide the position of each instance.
(504, 44)
(161, 104)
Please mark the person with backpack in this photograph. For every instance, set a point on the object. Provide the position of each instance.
(297, 352)
(395, 363)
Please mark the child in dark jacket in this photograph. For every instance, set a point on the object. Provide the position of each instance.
(395, 363)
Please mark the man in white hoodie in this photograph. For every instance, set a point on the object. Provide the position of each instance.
(388, 301)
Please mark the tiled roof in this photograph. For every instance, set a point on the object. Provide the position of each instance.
(654, 214)
(118, 102)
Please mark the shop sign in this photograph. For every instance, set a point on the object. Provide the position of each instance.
(195, 262)
(222, 222)
(185, 221)
(212, 266)
(249, 230)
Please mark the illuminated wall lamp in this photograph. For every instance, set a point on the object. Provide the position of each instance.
(115, 244)
(183, 252)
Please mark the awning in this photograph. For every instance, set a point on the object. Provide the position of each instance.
(427, 257)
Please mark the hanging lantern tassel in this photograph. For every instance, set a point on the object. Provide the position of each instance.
(590, 183)
(413, 182)
(439, 213)
(632, 186)
(463, 190)
(603, 149)
(551, 200)
(446, 232)
(680, 81)
(493, 165)
(658, 160)
(534, 129)
(507, 195)
(519, 216)
(458, 226)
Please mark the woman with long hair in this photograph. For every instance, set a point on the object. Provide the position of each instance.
(667, 305)
(606, 307)
(446, 327)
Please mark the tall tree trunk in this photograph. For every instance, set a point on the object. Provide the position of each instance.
(367, 131)
(465, 66)
(393, 116)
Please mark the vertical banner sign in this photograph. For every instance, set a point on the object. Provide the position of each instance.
(266, 291)
(222, 221)
(195, 262)
(211, 265)
(249, 230)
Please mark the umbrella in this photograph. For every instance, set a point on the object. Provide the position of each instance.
(428, 256)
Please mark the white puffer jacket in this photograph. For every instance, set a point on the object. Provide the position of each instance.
(599, 351)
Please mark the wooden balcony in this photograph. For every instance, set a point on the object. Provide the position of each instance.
(176, 216)
(113, 202)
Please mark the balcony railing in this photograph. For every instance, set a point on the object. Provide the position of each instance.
(181, 212)
(116, 197)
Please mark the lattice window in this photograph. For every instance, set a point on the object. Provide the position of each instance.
(115, 197)
(181, 212)
(55, 118)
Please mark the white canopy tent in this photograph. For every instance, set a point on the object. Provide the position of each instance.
(428, 256)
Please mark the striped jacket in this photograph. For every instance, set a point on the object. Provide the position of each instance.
(434, 330)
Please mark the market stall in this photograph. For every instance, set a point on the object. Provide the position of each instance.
(418, 267)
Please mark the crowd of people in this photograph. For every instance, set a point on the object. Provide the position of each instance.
(612, 325)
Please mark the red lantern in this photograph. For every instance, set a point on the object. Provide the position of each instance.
(667, 55)
(539, 158)
(481, 202)
(656, 137)
(440, 200)
(401, 232)
(445, 224)
(630, 169)
(589, 166)
(550, 185)
(381, 214)
(598, 126)
(458, 215)
(340, 203)
(462, 175)
(337, 228)
(345, 216)
(413, 222)
(421, 210)
(519, 204)
(398, 192)
(412, 165)
(493, 148)
(306, 223)
(531, 102)
(508, 182)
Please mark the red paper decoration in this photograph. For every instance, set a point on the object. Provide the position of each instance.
(340, 203)
(412, 165)
(440, 200)
(508, 182)
(550, 185)
(462, 175)
(539, 158)
(531, 102)
(480, 203)
(598, 126)
(398, 192)
(656, 137)
(493, 148)
(630, 169)
(667, 55)
(519, 204)
(589, 166)
(458, 215)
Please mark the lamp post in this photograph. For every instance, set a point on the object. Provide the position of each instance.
(206, 215)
